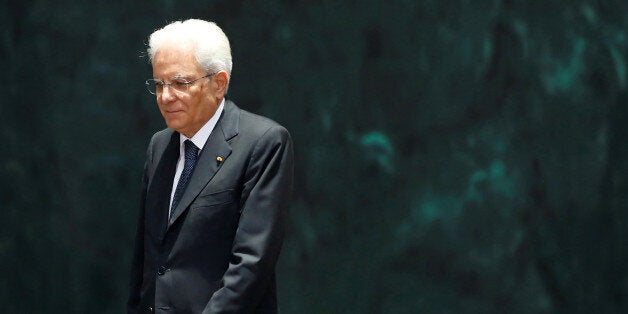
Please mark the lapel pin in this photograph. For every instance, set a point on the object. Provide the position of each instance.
(219, 159)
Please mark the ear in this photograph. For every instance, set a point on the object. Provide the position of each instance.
(221, 79)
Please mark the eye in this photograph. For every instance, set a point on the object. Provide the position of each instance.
(180, 83)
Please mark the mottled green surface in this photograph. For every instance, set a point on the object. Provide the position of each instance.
(451, 156)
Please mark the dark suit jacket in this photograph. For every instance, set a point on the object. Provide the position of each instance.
(217, 254)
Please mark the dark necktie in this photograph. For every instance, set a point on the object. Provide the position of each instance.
(191, 156)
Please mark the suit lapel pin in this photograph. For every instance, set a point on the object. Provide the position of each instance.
(219, 160)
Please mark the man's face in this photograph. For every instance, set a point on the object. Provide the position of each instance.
(185, 112)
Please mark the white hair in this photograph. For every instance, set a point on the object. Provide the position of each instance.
(208, 42)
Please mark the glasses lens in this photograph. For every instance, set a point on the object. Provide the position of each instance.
(180, 85)
(156, 87)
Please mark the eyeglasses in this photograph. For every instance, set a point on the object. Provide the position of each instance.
(181, 85)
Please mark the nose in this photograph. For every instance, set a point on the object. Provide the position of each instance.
(167, 94)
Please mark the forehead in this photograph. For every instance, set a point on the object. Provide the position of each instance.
(171, 60)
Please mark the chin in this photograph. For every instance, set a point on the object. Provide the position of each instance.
(174, 124)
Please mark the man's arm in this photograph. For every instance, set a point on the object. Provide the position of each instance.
(137, 266)
(258, 239)
(138, 261)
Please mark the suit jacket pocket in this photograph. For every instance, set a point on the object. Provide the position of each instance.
(216, 198)
(215, 211)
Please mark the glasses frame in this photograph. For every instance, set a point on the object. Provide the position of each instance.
(156, 83)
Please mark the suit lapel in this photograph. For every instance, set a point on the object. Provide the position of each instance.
(217, 145)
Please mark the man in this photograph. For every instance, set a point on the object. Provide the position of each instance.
(216, 184)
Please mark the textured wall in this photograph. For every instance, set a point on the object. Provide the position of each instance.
(452, 156)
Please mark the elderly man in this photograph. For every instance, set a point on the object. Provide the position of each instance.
(216, 184)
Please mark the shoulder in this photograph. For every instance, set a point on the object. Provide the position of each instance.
(255, 126)
(161, 138)
(158, 143)
(258, 124)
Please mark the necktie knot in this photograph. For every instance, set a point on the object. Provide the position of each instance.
(191, 151)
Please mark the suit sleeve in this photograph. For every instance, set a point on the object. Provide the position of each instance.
(258, 239)
(137, 266)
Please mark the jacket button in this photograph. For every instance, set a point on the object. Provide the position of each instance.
(149, 309)
(162, 270)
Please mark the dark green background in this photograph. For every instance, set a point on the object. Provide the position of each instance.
(451, 156)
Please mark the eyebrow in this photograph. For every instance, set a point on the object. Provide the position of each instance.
(175, 77)
(179, 76)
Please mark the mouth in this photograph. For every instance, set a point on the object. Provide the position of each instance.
(173, 111)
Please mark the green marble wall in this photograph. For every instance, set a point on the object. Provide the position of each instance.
(451, 156)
